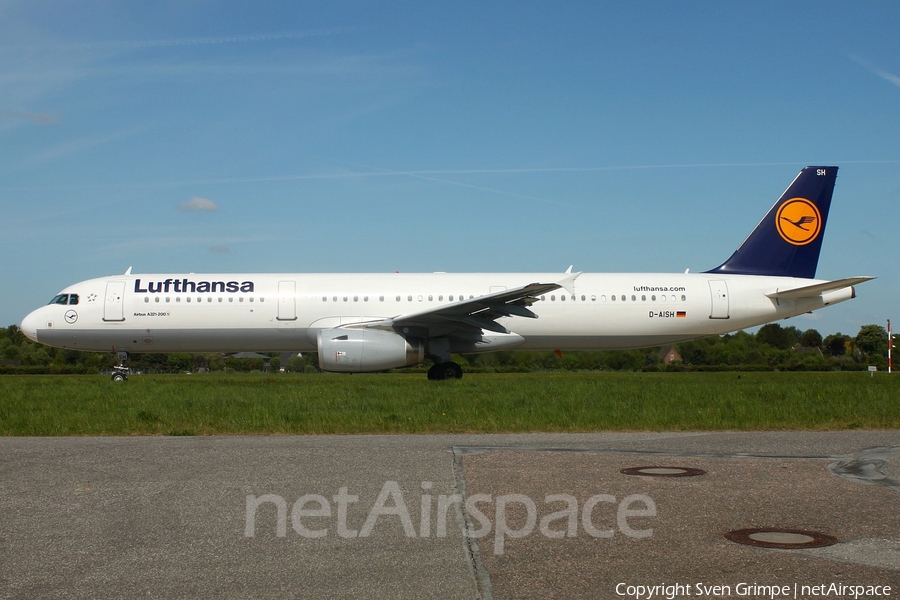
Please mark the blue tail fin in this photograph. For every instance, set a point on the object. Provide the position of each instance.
(788, 239)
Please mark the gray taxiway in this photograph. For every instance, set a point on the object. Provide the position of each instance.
(384, 516)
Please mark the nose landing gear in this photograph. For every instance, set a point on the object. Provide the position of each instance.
(120, 371)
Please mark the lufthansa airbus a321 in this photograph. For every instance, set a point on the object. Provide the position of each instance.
(374, 322)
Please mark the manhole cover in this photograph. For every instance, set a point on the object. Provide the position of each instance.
(663, 471)
(788, 539)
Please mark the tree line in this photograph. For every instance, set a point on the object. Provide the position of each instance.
(771, 347)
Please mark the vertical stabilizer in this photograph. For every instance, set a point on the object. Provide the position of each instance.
(788, 240)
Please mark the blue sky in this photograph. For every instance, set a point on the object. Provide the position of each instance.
(507, 136)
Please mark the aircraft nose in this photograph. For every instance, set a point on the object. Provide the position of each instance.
(28, 326)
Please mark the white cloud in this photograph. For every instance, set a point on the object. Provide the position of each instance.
(198, 204)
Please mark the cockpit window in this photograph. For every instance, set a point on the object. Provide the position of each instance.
(64, 299)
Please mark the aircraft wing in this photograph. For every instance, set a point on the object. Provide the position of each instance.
(810, 291)
(476, 313)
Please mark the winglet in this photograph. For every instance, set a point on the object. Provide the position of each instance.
(128, 271)
(568, 282)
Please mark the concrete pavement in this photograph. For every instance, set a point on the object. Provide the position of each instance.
(383, 516)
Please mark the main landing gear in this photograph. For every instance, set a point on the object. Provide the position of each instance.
(445, 370)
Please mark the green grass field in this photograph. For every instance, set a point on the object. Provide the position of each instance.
(205, 404)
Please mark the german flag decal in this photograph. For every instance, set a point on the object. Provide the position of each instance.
(680, 314)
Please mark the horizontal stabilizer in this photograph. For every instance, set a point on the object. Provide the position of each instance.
(811, 291)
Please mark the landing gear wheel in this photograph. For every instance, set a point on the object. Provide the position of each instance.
(119, 377)
(446, 370)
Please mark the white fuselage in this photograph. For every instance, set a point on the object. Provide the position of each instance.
(284, 312)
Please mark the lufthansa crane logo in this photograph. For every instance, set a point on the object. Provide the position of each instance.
(798, 221)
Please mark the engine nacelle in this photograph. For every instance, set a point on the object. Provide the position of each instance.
(366, 350)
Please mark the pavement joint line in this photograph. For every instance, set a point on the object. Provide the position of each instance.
(480, 575)
(473, 450)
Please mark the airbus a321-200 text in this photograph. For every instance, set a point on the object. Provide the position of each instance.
(374, 322)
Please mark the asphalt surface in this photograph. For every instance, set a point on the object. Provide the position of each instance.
(550, 515)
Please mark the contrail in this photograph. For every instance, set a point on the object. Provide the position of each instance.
(889, 77)
(42, 118)
(429, 176)
(432, 173)
(201, 41)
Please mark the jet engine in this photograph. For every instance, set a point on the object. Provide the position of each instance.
(366, 350)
